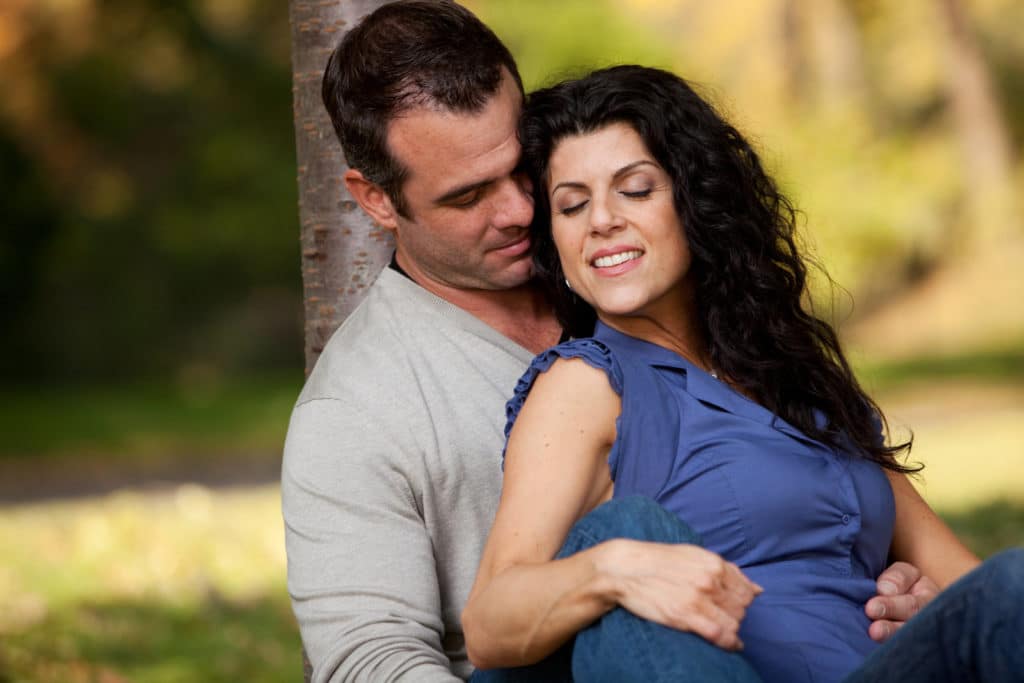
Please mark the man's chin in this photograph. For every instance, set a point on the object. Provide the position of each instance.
(509, 275)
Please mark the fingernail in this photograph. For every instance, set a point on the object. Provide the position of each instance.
(878, 610)
(887, 588)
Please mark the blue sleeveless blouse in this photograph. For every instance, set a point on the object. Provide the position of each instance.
(810, 523)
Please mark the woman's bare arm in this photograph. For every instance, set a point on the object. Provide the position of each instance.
(921, 538)
(524, 605)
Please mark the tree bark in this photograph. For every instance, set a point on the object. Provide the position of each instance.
(342, 249)
(983, 132)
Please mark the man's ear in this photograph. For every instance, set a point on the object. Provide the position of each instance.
(372, 198)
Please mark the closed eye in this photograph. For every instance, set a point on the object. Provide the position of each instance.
(467, 200)
(639, 194)
(574, 209)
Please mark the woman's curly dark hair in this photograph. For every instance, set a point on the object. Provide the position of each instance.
(750, 280)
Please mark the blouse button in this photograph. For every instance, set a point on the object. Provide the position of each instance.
(846, 519)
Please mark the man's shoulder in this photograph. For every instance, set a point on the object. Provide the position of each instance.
(396, 333)
(364, 349)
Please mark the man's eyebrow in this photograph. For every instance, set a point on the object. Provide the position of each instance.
(571, 184)
(461, 190)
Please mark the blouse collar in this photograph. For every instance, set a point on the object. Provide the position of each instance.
(698, 382)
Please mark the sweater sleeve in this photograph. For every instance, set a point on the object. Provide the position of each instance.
(361, 569)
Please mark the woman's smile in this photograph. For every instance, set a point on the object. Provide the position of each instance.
(609, 258)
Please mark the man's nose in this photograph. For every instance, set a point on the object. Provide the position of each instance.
(514, 205)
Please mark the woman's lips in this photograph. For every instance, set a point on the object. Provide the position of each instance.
(610, 262)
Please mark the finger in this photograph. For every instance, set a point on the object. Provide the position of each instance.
(893, 608)
(925, 590)
(898, 578)
(737, 574)
(735, 581)
(735, 601)
(882, 630)
(717, 628)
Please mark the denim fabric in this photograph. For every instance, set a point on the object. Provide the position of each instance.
(974, 631)
(620, 647)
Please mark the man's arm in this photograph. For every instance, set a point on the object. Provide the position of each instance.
(361, 570)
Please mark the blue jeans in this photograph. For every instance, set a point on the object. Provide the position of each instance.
(971, 632)
(974, 631)
(620, 647)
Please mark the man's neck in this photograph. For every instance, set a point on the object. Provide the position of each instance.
(522, 313)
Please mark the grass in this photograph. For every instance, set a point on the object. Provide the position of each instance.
(999, 365)
(147, 419)
(186, 585)
(189, 585)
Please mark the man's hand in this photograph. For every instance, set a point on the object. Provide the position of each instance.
(902, 592)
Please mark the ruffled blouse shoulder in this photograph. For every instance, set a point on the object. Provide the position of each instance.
(590, 350)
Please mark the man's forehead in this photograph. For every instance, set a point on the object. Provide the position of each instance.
(454, 147)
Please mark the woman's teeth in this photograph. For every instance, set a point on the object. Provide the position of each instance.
(616, 259)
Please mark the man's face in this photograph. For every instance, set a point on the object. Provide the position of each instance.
(468, 209)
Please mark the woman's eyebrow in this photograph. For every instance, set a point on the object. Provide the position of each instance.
(574, 184)
(629, 167)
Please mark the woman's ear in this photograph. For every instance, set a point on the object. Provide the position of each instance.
(372, 198)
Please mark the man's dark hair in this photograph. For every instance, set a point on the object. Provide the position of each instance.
(407, 54)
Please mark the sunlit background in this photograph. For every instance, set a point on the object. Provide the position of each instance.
(151, 332)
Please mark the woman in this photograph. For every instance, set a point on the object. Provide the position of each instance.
(707, 388)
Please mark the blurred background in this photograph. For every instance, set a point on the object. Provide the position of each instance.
(151, 333)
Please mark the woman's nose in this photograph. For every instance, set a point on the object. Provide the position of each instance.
(603, 216)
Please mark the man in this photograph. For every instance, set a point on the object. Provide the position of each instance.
(391, 472)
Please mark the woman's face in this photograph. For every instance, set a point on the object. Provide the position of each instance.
(614, 223)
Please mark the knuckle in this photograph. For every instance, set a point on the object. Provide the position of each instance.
(704, 582)
(713, 631)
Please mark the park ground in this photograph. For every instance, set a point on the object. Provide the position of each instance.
(159, 557)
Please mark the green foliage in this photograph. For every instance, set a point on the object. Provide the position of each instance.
(181, 216)
(552, 41)
(149, 420)
(991, 527)
(998, 365)
(149, 203)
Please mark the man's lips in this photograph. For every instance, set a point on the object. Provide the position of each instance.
(516, 248)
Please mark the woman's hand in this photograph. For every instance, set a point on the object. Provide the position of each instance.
(680, 586)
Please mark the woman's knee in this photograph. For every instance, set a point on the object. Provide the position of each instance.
(1004, 573)
(637, 518)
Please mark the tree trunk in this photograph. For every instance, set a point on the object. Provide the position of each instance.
(983, 133)
(342, 249)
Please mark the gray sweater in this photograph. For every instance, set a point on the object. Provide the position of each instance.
(390, 481)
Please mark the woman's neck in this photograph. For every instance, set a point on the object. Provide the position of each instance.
(679, 334)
